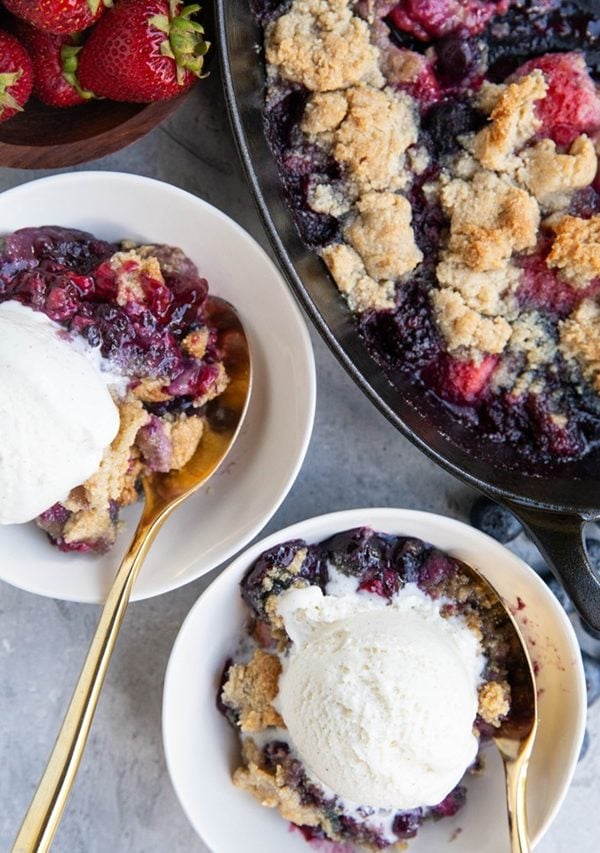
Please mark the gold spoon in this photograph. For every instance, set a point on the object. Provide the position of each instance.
(162, 493)
(515, 736)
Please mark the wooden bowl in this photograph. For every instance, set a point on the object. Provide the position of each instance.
(44, 137)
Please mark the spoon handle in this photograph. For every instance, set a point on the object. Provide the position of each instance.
(516, 776)
(48, 803)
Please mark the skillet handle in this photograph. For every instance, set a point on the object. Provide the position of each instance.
(561, 541)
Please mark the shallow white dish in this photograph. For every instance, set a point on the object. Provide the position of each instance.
(267, 456)
(202, 749)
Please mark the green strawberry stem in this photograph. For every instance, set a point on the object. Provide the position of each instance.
(185, 42)
(7, 101)
(69, 54)
(93, 5)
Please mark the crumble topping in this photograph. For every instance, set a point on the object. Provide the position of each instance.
(361, 291)
(576, 248)
(270, 788)
(150, 390)
(494, 702)
(530, 338)
(324, 112)
(462, 327)
(383, 237)
(131, 269)
(89, 503)
(551, 176)
(327, 198)
(369, 135)
(184, 433)
(487, 292)
(322, 45)
(580, 339)
(512, 121)
(250, 689)
(490, 219)
(196, 342)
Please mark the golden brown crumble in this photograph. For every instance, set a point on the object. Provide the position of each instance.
(494, 702)
(151, 390)
(551, 176)
(361, 291)
(130, 269)
(325, 198)
(196, 342)
(512, 122)
(485, 292)
(89, 503)
(383, 237)
(530, 337)
(250, 689)
(580, 339)
(185, 434)
(369, 136)
(322, 45)
(324, 112)
(487, 96)
(462, 327)
(576, 248)
(270, 789)
(418, 159)
(490, 219)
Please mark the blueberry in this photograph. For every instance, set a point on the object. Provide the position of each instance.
(585, 745)
(406, 824)
(458, 59)
(494, 519)
(448, 120)
(559, 591)
(591, 668)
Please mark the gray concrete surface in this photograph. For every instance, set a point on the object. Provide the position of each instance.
(123, 800)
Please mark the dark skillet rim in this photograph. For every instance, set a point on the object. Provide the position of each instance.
(585, 510)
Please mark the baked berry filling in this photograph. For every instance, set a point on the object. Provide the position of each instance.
(443, 164)
(140, 308)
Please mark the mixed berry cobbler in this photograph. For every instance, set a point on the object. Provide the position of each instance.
(140, 307)
(373, 575)
(441, 157)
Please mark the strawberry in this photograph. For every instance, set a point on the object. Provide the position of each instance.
(58, 16)
(54, 59)
(466, 381)
(572, 102)
(143, 50)
(16, 76)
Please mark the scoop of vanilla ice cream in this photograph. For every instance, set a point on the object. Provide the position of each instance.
(57, 415)
(380, 699)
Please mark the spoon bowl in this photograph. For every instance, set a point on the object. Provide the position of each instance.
(162, 494)
(516, 735)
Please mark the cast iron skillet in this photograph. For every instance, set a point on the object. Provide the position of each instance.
(554, 507)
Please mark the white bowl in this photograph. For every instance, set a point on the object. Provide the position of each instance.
(263, 464)
(202, 749)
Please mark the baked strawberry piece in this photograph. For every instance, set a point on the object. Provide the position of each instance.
(138, 310)
(572, 103)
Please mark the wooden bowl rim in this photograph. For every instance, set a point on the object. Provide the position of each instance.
(54, 155)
